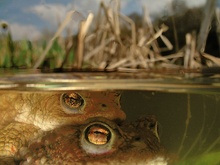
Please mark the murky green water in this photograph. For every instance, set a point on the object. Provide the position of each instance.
(186, 106)
(189, 123)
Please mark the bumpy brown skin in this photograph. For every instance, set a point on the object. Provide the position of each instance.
(26, 115)
(136, 143)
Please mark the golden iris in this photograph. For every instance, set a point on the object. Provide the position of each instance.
(98, 134)
(72, 101)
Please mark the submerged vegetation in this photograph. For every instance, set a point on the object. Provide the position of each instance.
(113, 41)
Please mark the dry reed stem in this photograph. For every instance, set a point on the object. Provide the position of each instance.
(106, 47)
(110, 18)
(187, 51)
(165, 40)
(147, 23)
(131, 53)
(57, 34)
(215, 60)
(82, 33)
(209, 9)
(133, 29)
(192, 52)
(158, 34)
(98, 48)
(116, 18)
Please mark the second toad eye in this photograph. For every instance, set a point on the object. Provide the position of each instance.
(98, 135)
(72, 103)
(98, 138)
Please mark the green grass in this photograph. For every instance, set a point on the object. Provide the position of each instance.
(23, 54)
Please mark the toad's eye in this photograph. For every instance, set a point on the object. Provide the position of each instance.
(98, 138)
(72, 103)
(98, 135)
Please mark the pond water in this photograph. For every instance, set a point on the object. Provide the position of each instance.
(188, 123)
(186, 105)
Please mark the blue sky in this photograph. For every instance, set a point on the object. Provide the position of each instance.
(28, 18)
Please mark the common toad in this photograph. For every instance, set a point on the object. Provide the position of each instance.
(25, 115)
(98, 142)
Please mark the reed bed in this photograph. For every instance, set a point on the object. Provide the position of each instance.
(109, 41)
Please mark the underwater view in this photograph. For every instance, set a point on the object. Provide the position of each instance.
(110, 82)
(162, 119)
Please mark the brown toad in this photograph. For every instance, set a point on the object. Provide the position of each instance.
(98, 142)
(24, 115)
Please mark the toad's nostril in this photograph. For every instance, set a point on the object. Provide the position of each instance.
(138, 138)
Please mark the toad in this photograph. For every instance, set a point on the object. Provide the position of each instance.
(26, 115)
(98, 142)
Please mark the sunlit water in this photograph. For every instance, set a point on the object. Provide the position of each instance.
(187, 107)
